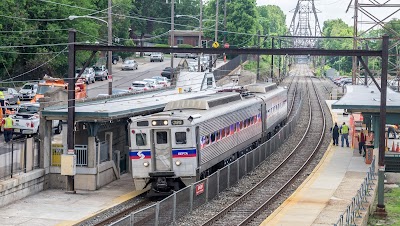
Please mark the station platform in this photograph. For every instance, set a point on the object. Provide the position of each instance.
(55, 207)
(329, 189)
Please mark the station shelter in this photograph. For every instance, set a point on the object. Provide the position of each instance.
(362, 104)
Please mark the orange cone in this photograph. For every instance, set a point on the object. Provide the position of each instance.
(393, 147)
(397, 148)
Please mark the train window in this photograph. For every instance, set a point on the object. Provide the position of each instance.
(227, 131)
(141, 139)
(241, 124)
(180, 137)
(217, 135)
(162, 137)
(233, 128)
(223, 132)
(252, 120)
(212, 137)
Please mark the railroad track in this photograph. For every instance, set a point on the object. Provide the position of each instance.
(249, 205)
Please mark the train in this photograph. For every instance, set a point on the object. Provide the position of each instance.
(192, 138)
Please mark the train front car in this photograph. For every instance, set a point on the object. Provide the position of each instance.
(162, 152)
(195, 137)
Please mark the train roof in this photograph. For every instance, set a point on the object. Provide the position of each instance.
(261, 87)
(203, 103)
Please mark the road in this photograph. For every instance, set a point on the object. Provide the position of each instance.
(123, 79)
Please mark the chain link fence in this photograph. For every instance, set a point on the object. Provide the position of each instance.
(184, 201)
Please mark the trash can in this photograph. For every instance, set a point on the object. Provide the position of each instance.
(370, 153)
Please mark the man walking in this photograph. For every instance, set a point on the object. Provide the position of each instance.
(344, 130)
(335, 134)
(361, 142)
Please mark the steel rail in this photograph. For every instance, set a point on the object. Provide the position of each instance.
(241, 199)
(306, 163)
(123, 213)
(293, 97)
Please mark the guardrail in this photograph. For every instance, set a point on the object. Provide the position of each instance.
(353, 210)
(193, 196)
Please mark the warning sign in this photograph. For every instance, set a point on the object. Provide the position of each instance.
(199, 188)
(215, 45)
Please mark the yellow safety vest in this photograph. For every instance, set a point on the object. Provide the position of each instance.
(1, 95)
(345, 129)
(8, 123)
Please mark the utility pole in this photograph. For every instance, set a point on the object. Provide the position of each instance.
(225, 22)
(258, 56)
(172, 31)
(216, 28)
(109, 59)
(272, 59)
(355, 34)
(280, 59)
(200, 34)
(71, 103)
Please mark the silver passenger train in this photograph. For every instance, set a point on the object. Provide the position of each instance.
(192, 138)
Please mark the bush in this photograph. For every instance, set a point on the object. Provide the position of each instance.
(161, 45)
(185, 46)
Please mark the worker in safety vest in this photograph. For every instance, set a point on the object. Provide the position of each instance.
(2, 101)
(8, 128)
(344, 130)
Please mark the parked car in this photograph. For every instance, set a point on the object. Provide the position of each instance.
(139, 86)
(88, 75)
(28, 91)
(185, 55)
(156, 57)
(153, 83)
(26, 120)
(129, 65)
(163, 80)
(167, 72)
(11, 96)
(114, 92)
(101, 73)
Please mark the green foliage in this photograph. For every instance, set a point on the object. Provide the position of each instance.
(124, 55)
(392, 206)
(185, 46)
(338, 27)
(162, 45)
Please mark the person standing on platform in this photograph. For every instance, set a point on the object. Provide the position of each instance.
(392, 130)
(361, 142)
(344, 130)
(2, 98)
(335, 134)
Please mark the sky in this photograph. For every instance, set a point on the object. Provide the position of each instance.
(333, 9)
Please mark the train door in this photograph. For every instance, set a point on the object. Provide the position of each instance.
(162, 150)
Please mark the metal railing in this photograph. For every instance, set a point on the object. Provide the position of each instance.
(228, 67)
(14, 160)
(354, 209)
(81, 153)
(193, 196)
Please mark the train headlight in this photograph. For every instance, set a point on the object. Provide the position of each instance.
(154, 123)
(146, 164)
(178, 163)
(165, 122)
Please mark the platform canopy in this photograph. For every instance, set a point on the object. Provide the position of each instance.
(366, 99)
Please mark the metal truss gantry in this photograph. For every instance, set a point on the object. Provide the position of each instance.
(367, 9)
(305, 23)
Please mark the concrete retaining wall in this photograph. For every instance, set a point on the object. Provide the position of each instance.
(21, 186)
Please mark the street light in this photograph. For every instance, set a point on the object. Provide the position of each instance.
(109, 58)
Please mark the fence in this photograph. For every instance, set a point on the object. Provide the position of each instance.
(228, 67)
(353, 210)
(186, 200)
(80, 150)
(18, 156)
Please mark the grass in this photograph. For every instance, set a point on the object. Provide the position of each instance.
(392, 205)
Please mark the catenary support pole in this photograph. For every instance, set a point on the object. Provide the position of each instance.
(272, 59)
(172, 32)
(380, 208)
(71, 102)
(258, 56)
(109, 58)
(200, 34)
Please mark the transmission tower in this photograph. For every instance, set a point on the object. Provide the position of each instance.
(305, 23)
